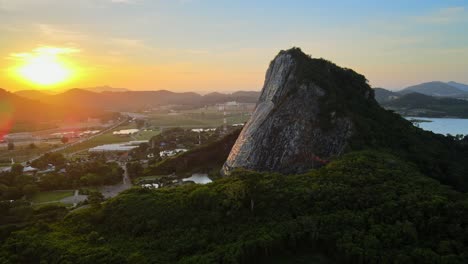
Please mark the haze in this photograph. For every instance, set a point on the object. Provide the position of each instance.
(225, 46)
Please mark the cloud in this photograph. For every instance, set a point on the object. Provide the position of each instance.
(49, 51)
(443, 16)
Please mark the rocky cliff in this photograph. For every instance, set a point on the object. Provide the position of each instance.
(301, 120)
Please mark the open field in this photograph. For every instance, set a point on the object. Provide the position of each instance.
(31, 127)
(146, 135)
(24, 152)
(103, 139)
(106, 138)
(52, 196)
(196, 120)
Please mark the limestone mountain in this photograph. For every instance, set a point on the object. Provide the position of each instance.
(311, 111)
(298, 124)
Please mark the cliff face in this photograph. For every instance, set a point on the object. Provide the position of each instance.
(287, 131)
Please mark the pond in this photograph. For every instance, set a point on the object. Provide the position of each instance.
(199, 178)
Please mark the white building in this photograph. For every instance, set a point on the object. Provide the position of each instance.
(170, 153)
(126, 132)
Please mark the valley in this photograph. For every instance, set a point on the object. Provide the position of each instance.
(237, 180)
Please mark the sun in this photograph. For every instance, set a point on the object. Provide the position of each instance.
(44, 71)
(45, 67)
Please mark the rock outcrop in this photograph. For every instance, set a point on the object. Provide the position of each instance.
(298, 123)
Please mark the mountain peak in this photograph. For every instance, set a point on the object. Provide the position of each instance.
(303, 116)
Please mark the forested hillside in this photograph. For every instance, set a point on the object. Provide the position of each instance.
(416, 104)
(366, 207)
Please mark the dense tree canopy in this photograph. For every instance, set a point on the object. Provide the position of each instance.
(363, 208)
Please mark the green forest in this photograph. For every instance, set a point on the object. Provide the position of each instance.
(366, 207)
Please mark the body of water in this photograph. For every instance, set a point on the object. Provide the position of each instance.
(444, 126)
(199, 178)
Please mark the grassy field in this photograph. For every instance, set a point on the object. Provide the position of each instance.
(107, 138)
(196, 120)
(30, 127)
(146, 135)
(103, 139)
(52, 196)
(23, 152)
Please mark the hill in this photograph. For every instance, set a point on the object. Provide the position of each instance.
(134, 100)
(18, 111)
(207, 159)
(33, 94)
(460, 86)
(105, 88)
(434, 89)
(416, 104)
(383, 95)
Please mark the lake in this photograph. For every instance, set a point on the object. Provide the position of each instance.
(444, 126)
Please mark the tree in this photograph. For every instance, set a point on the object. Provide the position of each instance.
(30, 189)
(17, 169)
(11, 146)
(64, 140)
(95, 199)
(134, 169)
(140, 123)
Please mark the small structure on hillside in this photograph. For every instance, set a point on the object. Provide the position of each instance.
(170, 153)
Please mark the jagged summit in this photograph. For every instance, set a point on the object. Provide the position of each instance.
(303, 116)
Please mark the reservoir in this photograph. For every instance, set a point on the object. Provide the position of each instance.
(444, 126)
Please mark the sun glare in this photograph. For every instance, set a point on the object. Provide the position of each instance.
(44, 66)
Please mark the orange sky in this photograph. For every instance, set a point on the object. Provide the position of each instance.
(206, 46)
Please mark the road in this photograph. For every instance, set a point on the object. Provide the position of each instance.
(79, 141)
(75, 199)
(72, 143)
(112, 190)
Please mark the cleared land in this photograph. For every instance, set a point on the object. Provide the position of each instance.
(52, 196)
(196, 119)
(24, 152)
(103, 139)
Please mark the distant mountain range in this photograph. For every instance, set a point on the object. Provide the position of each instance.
(105, 88)
(120, 100)
(16, 109)
(436, 88)
(431, 99)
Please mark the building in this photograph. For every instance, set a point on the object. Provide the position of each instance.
(18, 137)
(170, 153)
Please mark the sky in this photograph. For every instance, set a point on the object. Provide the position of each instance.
(224, 46)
